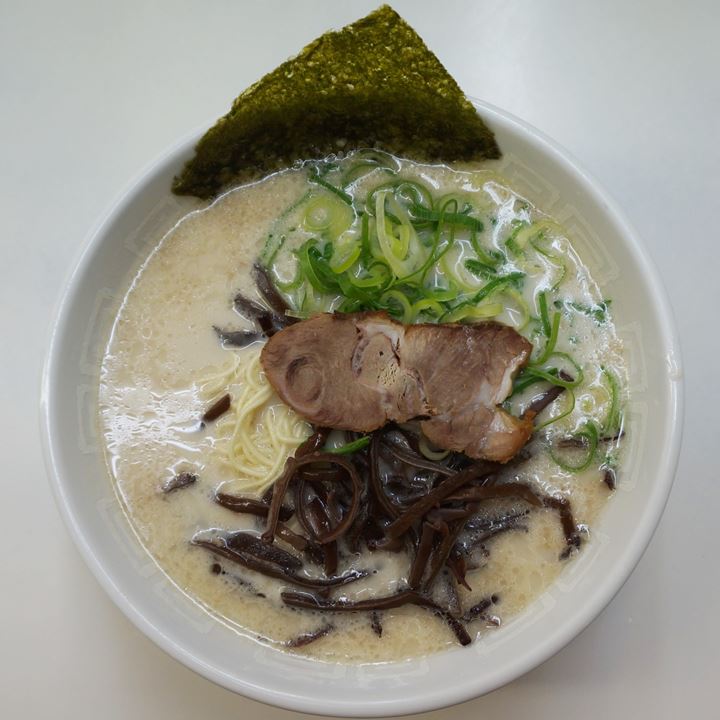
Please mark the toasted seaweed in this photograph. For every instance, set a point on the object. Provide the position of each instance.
(373, 83)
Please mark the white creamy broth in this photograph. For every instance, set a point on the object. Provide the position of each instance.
(164, 364)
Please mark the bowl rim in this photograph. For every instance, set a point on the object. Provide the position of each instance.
(433, 698)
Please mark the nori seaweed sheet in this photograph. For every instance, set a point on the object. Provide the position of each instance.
(372, 84)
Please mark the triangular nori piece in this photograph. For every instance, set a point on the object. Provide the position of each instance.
(372, 84)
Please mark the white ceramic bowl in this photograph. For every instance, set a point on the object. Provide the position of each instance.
(547, 176)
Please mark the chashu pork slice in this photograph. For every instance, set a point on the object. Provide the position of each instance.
(467, 371)
(357, 371)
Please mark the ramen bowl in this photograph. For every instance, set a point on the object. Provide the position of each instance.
(548, 177)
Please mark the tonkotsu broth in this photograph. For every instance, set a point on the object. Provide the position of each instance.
(163, 345)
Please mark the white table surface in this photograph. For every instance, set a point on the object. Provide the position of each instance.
(92, 91)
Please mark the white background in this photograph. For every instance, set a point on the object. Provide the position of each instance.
(90, 92)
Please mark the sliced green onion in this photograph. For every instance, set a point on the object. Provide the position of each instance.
(367, 162)
(599, 311)
(311, 304)
(552, 336)
(406, 232)
(497, 283)
(394, 247)
(325, 213)
(299, 314)
(464, 206)
(318, 215)
(345, 255)
(552, 374)
(293, 284)
(525, 379)
(568, 411)
(351, 305)
(511, 243)
(562, 267)
(401, 254)
(491, 258)
(423, 215)
(354, 296)
(376, 277)
(613, 421)
(456, 271)
(350, 447)
(273, 244)
(475, 312)
(481, 269)
(525, 232)
(406, 192)
(588, 434)
(387, 299)
(522, 306)
(429, 453)
(314, 177)
(433, 256)
(425, 305)
(553, 259)
(358, 170)
(544, 317)
(444, 294)
(311, 261)
(371, 250)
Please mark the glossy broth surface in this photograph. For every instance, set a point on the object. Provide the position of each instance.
(152, 392)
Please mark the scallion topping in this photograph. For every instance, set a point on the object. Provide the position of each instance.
(351, 447)
(588, 438)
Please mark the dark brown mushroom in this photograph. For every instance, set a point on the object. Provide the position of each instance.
(179, 481)
(388, 602)
(309, 637)
(218, 408)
